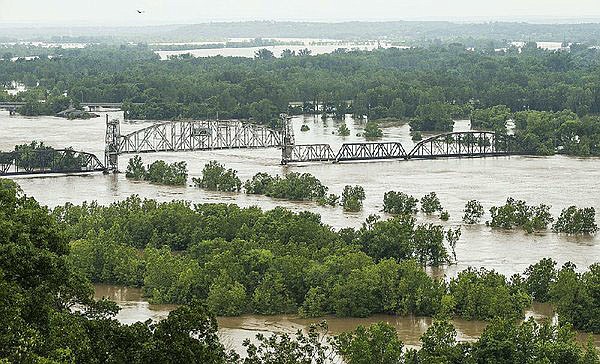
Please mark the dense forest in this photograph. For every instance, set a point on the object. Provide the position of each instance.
(241, 260)
(50, 315)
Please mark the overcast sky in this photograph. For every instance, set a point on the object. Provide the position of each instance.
(123, 12)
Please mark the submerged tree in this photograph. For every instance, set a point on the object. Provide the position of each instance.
(430, 203)
(215, 177)
(576, 221)
(372, 130)
(136, 169)
(343, 130)
(516, 213)
(399, 203)
(352, 198)
(473, 212)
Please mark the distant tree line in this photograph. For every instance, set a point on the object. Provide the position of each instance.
(399, 83)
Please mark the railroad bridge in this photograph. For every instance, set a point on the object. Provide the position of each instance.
(465, 144)
(211, 135)
(187, 135)
(191, 135)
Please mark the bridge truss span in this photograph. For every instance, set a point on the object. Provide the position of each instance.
(23, 162)
(370, 151)
(462, 144)
(199, 135)
(307, 153)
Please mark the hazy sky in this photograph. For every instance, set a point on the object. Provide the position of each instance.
(123, 12)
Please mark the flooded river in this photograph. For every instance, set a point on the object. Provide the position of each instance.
(234, 330)
(558, 181)
(315, 46)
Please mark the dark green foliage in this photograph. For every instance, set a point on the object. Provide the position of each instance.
(473, 212)
(547, 133)
(271, 297)
(330, 200)
(52, 105)
(39, 290)
(264, 53)
(493, 118)
(296, 186)
(502, 341)
(484, 295)
(314, 304)
(37, 155)
(103, 259)
(401, 238)
(399, 203)
(452, 237)
(136, 169)
(430, 203)
(576, 221)
(538, 279)
(439, 345)
(517, 214)
(352, 198)
(216, 178)
(577, 297)
(399, 281)
(379, 343)
(159, 172)
(309, 348)
(385, 83)
(246, 260)
(433, 117)
(444, 216)
(416, 136)
(372, 130)
(259, 184)
(304, 127)
(343, 130)
(293, 186)
(505, 341)
(163, 173)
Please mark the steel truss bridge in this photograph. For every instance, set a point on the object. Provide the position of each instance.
(467, 144)
(211, 135)
(185, 136)
(43, 161)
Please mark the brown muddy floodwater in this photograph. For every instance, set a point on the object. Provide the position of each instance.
(234, 330)
(558, 181)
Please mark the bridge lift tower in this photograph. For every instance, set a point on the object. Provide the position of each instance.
(287, 144)
(111, 150)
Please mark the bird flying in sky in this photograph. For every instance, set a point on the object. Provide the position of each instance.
(141, 12)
